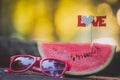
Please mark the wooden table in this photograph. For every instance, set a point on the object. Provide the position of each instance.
(29, 75)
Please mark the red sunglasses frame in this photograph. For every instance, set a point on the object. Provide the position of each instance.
(32, 67)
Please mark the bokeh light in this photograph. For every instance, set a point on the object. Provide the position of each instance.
(56, 20)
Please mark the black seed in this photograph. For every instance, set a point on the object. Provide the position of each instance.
(78, 57)
(87, 54)
(55, 49)
(73, 58)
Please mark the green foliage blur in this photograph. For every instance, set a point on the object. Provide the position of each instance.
(56, 20)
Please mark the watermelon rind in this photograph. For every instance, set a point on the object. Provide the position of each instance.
(85, 73)
(39, 49)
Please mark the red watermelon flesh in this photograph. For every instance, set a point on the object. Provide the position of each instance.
(82, 61)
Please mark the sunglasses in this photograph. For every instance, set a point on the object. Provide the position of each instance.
(48, 66)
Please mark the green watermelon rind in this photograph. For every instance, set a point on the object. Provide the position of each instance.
(85, 73)
(39, 49)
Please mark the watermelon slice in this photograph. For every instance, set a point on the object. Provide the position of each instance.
(82, 61)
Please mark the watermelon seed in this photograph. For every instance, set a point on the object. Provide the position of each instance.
(78, 57)
(55, 49)
(85, 55)
(73, 58)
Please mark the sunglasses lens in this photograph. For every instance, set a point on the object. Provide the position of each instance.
(53, 67)
(21, 63)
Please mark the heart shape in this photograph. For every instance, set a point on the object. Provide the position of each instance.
(87, 20)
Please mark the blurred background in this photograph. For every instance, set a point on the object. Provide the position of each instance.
(56, 20)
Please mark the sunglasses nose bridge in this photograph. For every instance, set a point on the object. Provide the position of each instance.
(38, 58)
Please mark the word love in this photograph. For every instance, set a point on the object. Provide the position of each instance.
(98, 21)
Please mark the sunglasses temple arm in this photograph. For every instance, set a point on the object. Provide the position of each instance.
(7, 70)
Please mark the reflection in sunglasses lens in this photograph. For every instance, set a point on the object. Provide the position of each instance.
(53, 67)
(21, 63)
